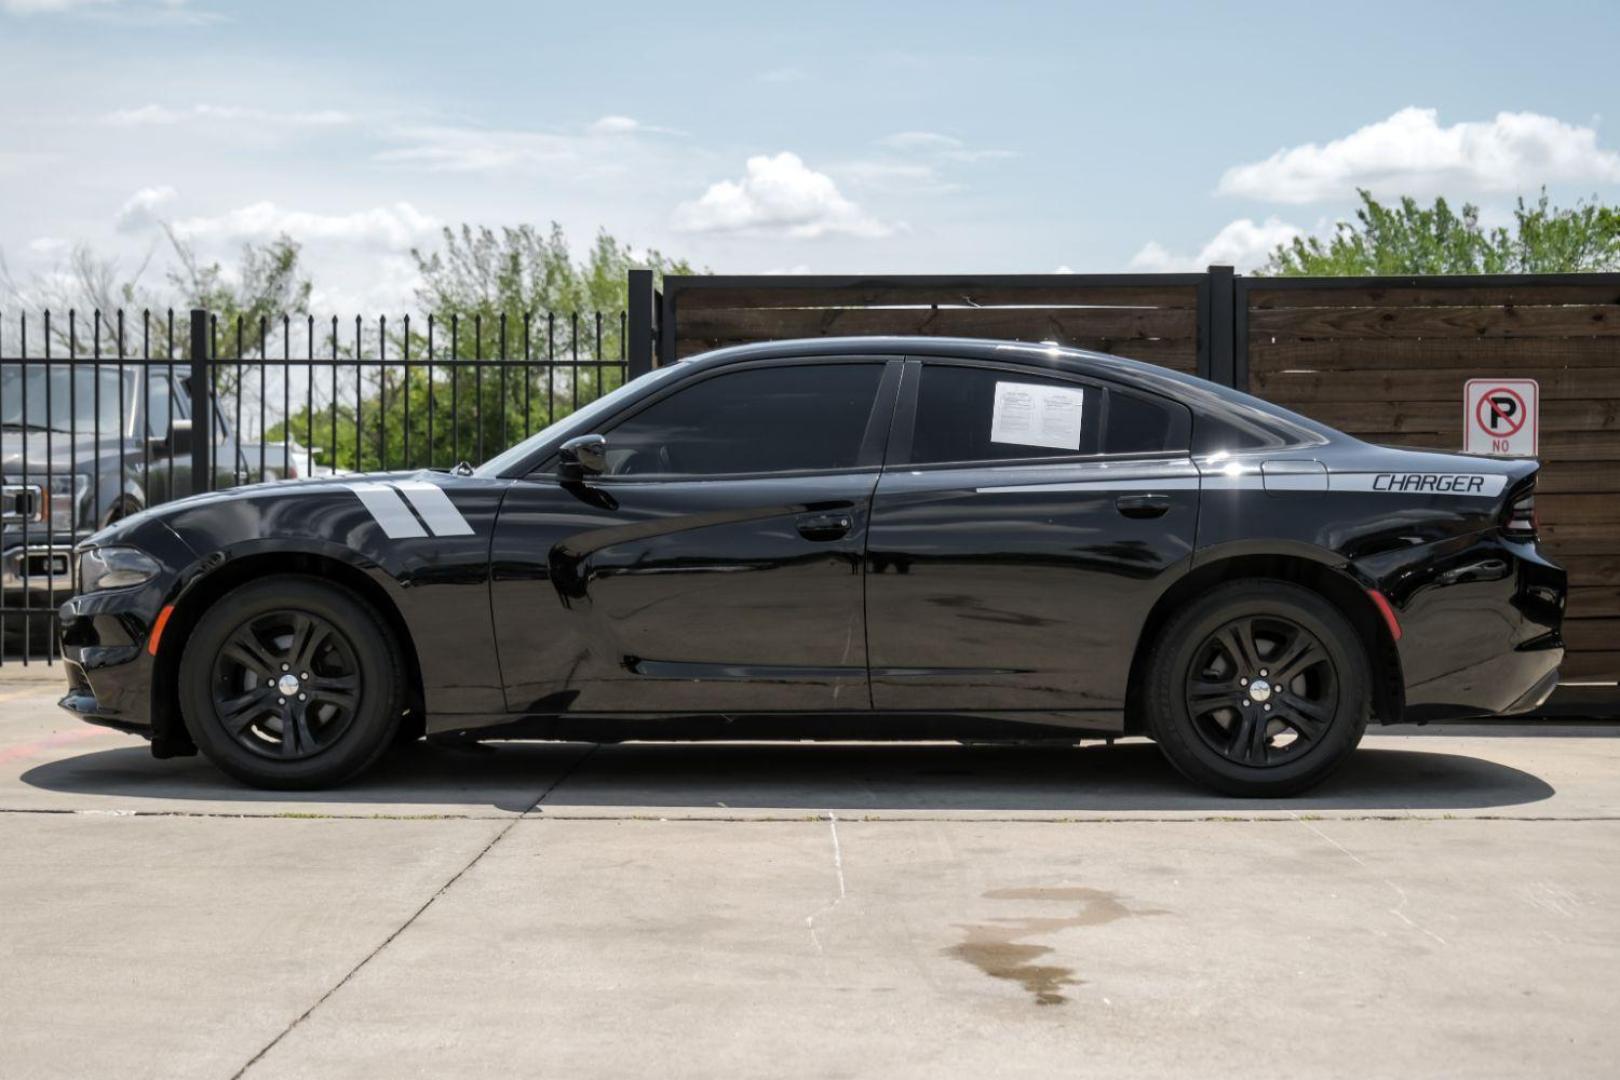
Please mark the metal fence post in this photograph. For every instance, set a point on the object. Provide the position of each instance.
(1222, 305)
(639, 358)
(202, 405)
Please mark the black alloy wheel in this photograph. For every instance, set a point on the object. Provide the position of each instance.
(286, 684)
(1259, 687)
(1261, 690)
(292, 682)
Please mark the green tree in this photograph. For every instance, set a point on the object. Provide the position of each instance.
(544, 334)
(267, 282)
(1407, 238)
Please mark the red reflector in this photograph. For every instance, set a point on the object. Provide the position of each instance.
(157, 628)
(1387, 612)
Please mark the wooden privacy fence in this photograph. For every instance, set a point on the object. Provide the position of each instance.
(1385, 359)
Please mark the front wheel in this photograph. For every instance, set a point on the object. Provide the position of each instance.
(1260, 688)
(289, 682)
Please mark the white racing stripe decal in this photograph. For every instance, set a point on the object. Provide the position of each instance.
(436, 508)
(1480, 485)
(1178, 483)
(389, 511)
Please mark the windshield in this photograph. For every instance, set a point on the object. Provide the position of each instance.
(63, 398)
(602, 406)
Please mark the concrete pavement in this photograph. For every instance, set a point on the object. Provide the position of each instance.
(1446, 905)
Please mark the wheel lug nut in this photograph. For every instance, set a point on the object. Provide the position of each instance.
(284, 667)
(1264, 673)
(270, 682)
(281, 701)
(1243, 682)
(1268, 708)
(305, 675)
(302, 697)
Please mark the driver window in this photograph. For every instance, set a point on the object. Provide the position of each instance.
(802, 417)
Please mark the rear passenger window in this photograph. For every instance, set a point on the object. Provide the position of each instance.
(985, 414)
(1142, 425)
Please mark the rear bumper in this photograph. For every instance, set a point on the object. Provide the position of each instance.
(1481, 619)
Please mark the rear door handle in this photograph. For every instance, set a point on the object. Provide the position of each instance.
(825, 526)
(1142, 506)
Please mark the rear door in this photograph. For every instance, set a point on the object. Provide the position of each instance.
(1024, 525)
(716, 565)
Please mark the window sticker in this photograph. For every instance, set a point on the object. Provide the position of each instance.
(1028, 414)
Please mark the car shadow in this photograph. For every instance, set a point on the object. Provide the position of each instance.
(1128, 776)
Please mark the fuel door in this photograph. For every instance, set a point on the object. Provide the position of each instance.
(1294, 476)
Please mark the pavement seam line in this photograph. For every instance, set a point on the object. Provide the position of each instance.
(406, 925)
(1399, 910)
(843, 891)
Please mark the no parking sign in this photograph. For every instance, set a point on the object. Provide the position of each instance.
(1502, 417)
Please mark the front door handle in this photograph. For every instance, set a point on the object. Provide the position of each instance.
(825, 526)
(1142, 506)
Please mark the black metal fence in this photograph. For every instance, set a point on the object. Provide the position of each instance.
(103, 416)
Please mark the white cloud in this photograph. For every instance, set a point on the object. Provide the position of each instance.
(946, 147)
(141, 116)
(390, 227)
(1242, 244)
(783, 75)
(615, 125)
(920, 140)
(36, 7)
(1412, 154)
(778, 195)
(449, 149)
(136, 11)
(160, 115)
(140, 211)
(48, 245)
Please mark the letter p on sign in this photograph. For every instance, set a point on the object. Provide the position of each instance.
(1501, 417)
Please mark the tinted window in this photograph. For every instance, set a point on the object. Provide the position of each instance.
(957, 417)
(157, 405)
(64, 398)
(1141, 425)
(773, 419)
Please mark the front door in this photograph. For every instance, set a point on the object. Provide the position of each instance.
(1025, 524)
(716, 565)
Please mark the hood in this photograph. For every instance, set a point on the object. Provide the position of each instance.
(313, 485)
(54, 452)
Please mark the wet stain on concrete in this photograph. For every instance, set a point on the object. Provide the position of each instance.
(1000, 948)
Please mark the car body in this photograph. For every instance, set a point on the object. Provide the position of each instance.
(81, 446)
(875, 538)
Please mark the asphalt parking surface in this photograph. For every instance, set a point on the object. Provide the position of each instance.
(1445, 905)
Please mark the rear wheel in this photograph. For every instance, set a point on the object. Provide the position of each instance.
(289, 682)
(1260, 688)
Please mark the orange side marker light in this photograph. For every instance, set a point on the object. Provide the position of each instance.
(163, 620)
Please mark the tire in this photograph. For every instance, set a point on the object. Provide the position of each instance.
(331, 644)
(1207, 699)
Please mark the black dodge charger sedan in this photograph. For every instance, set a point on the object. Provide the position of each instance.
(866, 538)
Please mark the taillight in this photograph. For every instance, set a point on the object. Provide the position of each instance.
(1520, 520)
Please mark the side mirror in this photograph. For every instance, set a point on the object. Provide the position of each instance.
(582, 456)
(177, 442)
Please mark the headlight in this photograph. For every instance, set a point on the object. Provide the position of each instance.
(115, 568)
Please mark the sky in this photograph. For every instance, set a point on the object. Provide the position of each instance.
(828, 138)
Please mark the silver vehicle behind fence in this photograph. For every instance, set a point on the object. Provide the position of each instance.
(94, 429)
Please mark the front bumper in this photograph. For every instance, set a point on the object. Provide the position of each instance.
(110, 671)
